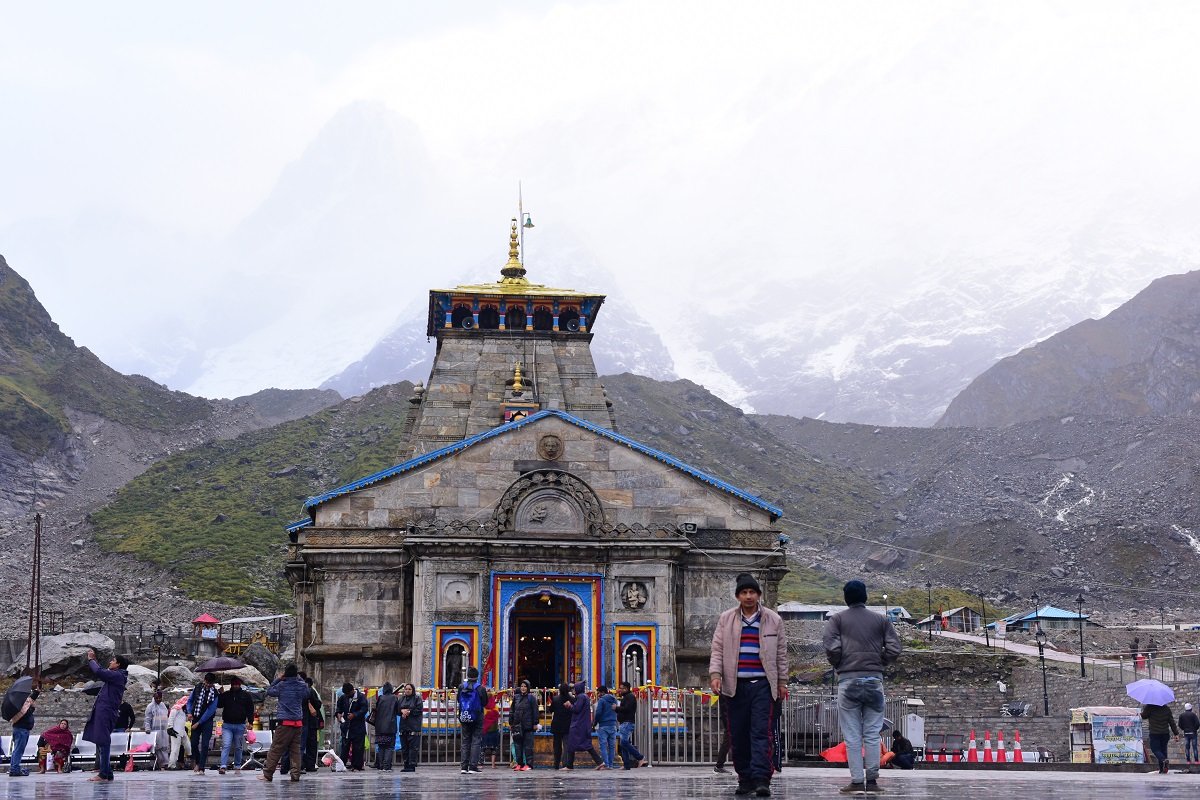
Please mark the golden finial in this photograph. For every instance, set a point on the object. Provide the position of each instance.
(514, 270)
(517, 386)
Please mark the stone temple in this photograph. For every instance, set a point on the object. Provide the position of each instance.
(522, 532)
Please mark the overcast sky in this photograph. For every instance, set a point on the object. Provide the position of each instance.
(693, 147)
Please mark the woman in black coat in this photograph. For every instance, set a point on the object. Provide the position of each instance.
(522, 722)
(410, 708)
(560, 721)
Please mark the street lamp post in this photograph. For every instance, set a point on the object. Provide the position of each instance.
(929, 599)
(1162, 617)
(160, 637)
(1040, 638)
(1079, 600)
(1037, 620)
(983, 616)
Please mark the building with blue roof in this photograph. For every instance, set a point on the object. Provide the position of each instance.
(520, 531)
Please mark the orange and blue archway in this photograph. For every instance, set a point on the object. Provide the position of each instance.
(584, 646)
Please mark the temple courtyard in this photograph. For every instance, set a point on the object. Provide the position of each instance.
(658, 783)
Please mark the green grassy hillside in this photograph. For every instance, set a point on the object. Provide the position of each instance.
(42, 372)
(215, 514)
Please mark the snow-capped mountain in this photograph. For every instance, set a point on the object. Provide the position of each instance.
(865, 351)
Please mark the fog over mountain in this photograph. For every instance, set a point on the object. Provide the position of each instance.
(843, 212)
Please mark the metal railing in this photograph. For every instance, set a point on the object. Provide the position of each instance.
(673, 727)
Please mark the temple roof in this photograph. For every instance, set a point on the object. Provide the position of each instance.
(513, 281)
(429, 458)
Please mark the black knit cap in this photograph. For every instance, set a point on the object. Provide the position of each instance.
(855, 592)
(746, 581)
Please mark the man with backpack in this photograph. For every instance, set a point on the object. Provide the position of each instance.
(472, 697)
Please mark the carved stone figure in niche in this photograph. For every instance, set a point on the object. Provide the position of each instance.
(550, 447)
(549, 511)
(634, 595)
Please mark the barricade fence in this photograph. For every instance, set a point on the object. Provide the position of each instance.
(673, 726)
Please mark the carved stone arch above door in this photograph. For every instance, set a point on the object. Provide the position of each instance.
(550, 502)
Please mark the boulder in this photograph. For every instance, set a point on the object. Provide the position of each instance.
(258, 656)
(143, 675)
(179, 675)
(65, 655)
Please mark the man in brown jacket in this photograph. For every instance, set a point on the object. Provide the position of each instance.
(749, 667)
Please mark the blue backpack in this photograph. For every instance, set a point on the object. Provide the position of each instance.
(470, 707)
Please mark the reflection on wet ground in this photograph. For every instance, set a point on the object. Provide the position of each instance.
(660, 783)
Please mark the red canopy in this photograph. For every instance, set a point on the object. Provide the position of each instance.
(206, 619)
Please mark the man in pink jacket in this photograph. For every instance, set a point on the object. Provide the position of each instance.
(749, 667)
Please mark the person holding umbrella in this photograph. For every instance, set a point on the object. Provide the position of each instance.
(1155, 697)
(202, 709)
(19, 709)
(103, 718)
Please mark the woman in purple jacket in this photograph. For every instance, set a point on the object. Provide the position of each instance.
(103, 719)
(579, 740)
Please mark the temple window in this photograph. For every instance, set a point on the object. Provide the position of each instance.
(568, 320)
(543, 319)
(489, 318)
(462, 312)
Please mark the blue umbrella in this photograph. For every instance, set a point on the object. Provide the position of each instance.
(1150, 692)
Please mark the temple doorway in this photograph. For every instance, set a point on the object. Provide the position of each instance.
(544, 641)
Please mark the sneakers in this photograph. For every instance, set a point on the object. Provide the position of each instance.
(463, 772)
(873, 787)
(744, 789)
(854, 788)
(763, 790)
(526, 768)
(474, 771)
(221, 771)
(720, 770)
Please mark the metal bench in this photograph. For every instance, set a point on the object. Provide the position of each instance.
(256, 753)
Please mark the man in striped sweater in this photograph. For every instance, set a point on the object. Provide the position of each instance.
(748, 668)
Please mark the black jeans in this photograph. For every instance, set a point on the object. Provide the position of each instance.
(751, 714)
(411, 741)
(1158, 746)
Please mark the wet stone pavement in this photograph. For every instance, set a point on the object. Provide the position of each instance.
(661, 783)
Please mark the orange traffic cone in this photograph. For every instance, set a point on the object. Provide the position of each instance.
(1017, 757)
(973, 749)
(987, 747)
(1001, 750)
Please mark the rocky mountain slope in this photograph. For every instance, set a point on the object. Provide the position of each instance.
(1054, 505)
(1142, 359)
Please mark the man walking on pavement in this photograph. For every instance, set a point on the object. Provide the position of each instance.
(859, 644)
(748, 668)
(1189, 723)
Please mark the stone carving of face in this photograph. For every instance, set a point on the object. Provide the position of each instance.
(539, 513)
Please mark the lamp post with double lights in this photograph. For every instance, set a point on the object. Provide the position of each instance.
(1040, 638)
(929, 599)
(1082, 671)
(1037, 620)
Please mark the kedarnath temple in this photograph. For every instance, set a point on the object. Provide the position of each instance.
(522, 533)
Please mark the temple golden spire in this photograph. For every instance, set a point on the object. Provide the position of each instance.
(514, 270)
(517, 385)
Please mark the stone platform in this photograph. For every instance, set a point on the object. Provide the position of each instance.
(660, 783)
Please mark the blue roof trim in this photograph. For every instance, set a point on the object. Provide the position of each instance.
(292, 527)
(429, 458)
